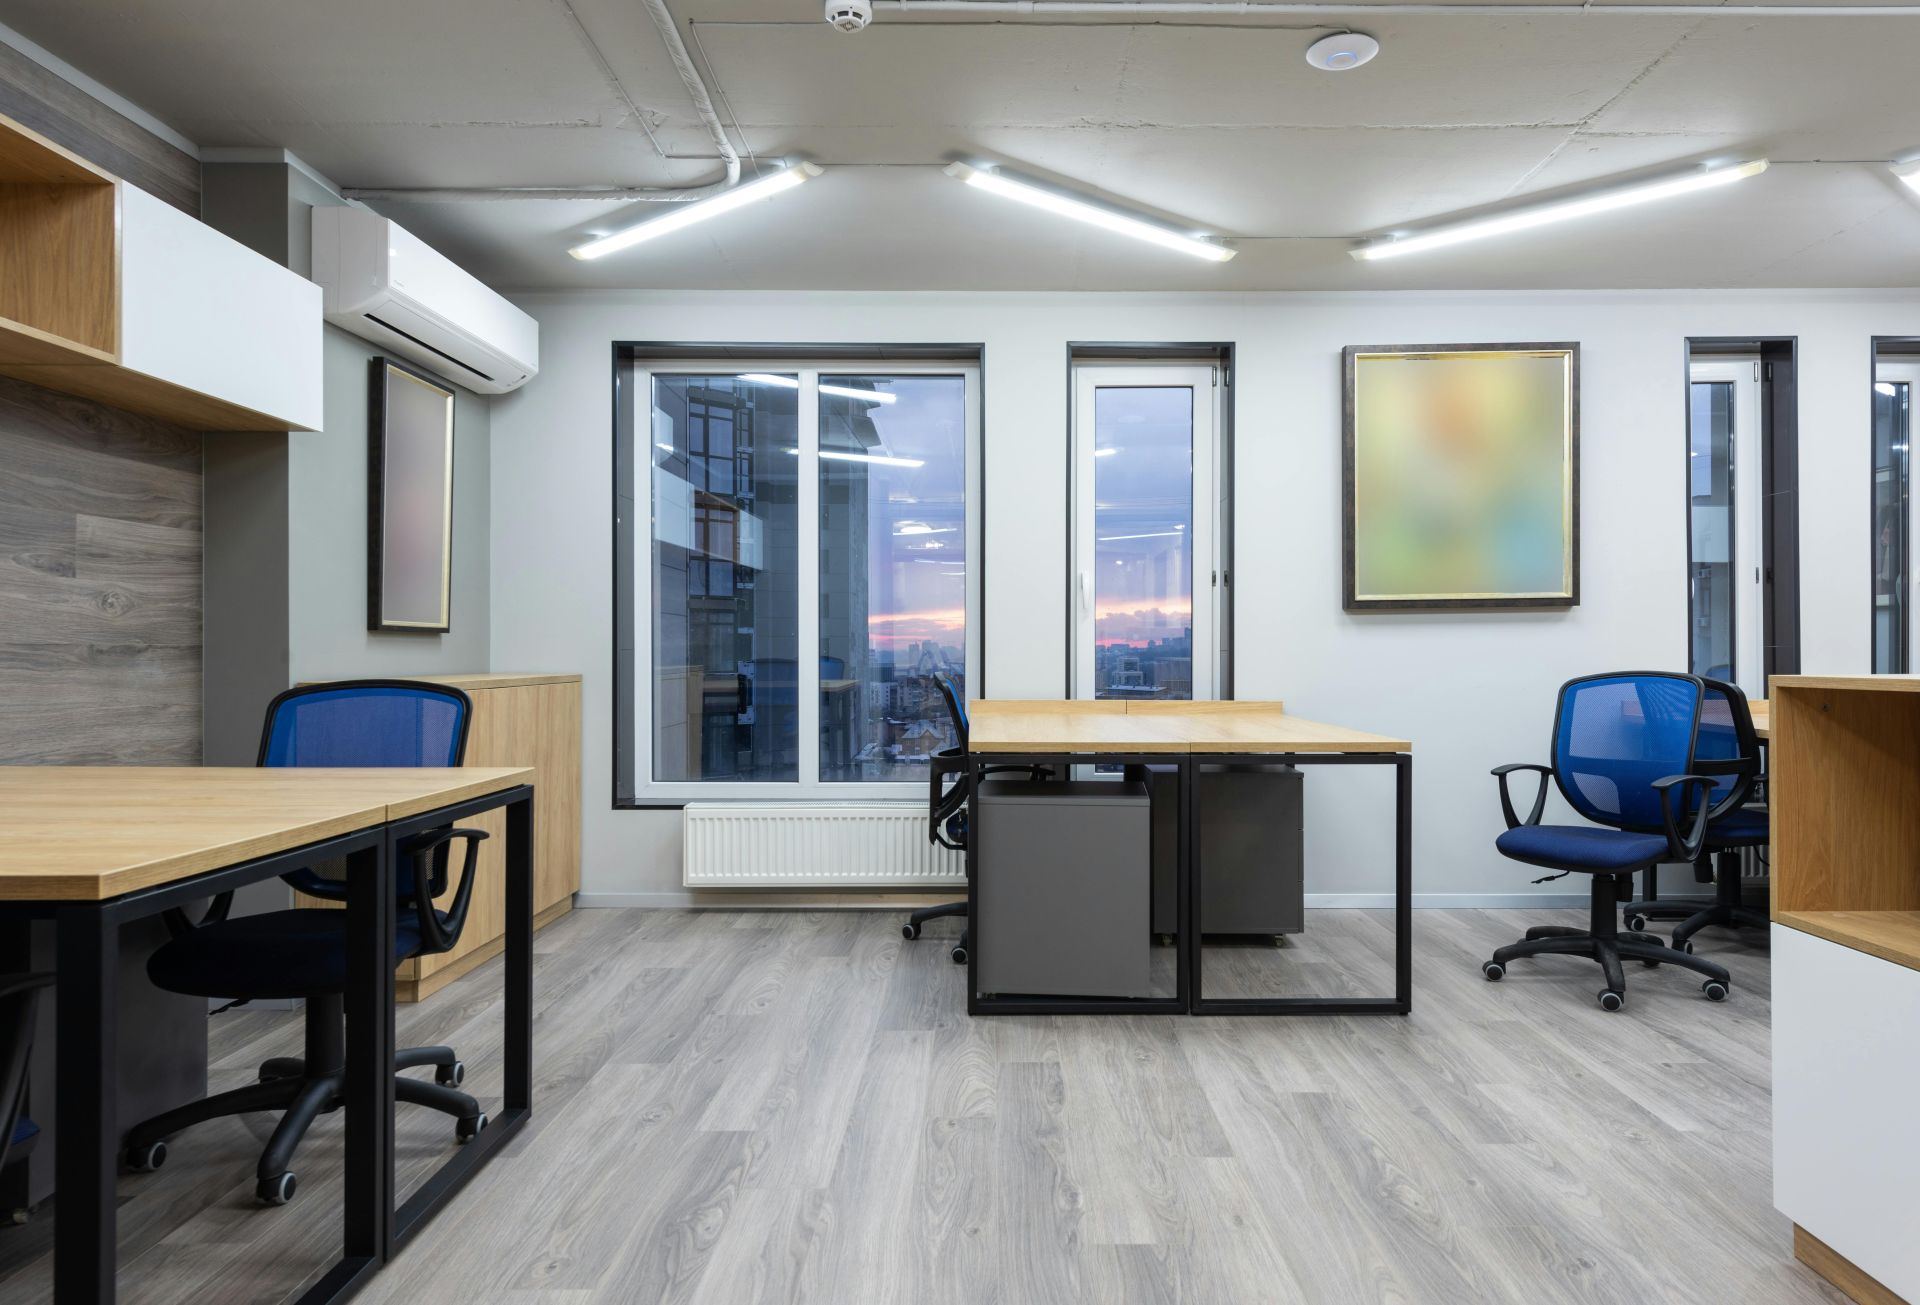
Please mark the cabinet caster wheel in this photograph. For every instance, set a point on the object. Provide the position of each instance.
(450, 1075)
(146, 1159)
(959, 956)
(470, 1127)
(1636, 923)
(909, 931)
(1715, 990)
(277, 1190)
(1611, 1000)
(1494, 971)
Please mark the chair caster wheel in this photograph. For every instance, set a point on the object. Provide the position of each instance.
(277, 1190)
(1636, 922)
(1494, 971)
(1685, 945)
(909, 931)
(450, 1075)
(470, 1127)
(20, 1216)
(959, 956)
(1715, 990)
(146, 1159)
(1651, 965)
(1611, 1000)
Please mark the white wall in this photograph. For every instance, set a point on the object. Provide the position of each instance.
(1471, 691)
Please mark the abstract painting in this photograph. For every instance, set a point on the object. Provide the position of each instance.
(1461, 476)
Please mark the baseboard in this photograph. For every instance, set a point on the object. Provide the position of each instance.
(1844, 1274)
(867, 901)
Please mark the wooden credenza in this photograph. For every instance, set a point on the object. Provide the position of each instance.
(520, 720)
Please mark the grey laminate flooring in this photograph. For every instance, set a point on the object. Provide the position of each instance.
(739, 1107)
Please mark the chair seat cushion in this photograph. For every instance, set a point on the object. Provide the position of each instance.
(1581, 847)
(23, 1130)
(1741, 827)
(298, 953)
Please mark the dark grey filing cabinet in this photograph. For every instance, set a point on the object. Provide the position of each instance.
(1252, 850)
(1064, 898)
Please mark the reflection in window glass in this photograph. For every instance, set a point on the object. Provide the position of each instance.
(893, 571)
(725, 593)
(1142, 542)
(1710, 478)
(1892, 415)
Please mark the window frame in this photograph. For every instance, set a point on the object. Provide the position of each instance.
(1745, 508)
(639, 371)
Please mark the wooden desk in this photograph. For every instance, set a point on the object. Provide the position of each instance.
(96, 848)
(1762, 712)
(1844, 773)
(1186, 735)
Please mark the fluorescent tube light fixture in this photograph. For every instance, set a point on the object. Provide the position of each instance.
(1909, 172)
(686, 215)
(1563, 210)
(793, 383)
(1080, 210)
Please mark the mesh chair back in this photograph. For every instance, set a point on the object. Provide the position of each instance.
(367, 723)
(956, 709)
(1727, 748)
(1615, 735)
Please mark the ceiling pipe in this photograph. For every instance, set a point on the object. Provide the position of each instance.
(1262, 8)
(702, 105)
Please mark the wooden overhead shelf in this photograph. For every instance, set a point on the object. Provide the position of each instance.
(108, 293)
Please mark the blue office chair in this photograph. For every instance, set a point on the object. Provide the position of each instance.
(1623, 757)
(1727, 736)
(947, 809)
(19, 1001)
(302, 953)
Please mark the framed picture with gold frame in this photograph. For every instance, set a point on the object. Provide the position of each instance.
(409, 499)
(1460, 477)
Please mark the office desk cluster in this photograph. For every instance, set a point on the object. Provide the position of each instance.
(93, 849)
(1187, 736)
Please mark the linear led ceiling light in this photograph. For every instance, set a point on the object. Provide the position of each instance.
(1909, 172)
(793, 383)
(1564, 210)
(1079, 210)
(685, 215)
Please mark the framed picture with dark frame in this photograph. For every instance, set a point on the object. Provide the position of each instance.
(1460, 471)
(409, 499)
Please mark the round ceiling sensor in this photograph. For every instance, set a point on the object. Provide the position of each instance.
(1342, 51)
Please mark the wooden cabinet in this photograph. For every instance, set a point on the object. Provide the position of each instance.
(518, 720)
(109, 293)
(1843, 774)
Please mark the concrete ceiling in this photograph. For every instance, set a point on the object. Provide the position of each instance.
(1218, 122)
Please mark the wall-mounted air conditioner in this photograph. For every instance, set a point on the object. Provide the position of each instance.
(386, 285)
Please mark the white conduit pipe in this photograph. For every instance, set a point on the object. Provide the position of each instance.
(1263, 8)
(702, 105)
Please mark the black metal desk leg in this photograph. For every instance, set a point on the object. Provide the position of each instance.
(87, 1074)
(519, 946)
(1191, 942)
(369, 1069)
(1403, 882)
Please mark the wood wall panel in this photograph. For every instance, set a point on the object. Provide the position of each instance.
(100, 603)
(68, 116)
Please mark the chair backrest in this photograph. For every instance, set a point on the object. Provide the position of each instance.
(1728, 747)
(367, 723)
(1615, 734)
(19, 1002)
(956, 709)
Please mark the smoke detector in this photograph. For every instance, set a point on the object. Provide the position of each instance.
(849, 15)
(1341, 51)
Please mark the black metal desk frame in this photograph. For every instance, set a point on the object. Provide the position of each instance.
(87, 941)
(1189, 996)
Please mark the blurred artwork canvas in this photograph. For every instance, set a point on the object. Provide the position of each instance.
(1461, 474)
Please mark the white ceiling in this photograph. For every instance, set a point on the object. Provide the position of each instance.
(1220, 123)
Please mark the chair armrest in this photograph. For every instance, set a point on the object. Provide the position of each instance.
(942, 801)
(1539, 798)
(1687, 846)
(435, 935)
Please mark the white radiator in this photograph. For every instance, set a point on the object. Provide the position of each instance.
(813, 845)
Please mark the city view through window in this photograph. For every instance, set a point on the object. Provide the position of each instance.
(1143, 545)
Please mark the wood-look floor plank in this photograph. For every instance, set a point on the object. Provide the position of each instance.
(738, 1107)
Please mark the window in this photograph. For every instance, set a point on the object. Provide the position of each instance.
(805, 578)
(1896, 384)
(1723, 473)
(1146, 569)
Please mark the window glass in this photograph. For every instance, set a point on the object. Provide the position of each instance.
(1892, 413)
(1709, 473)
(893, 571)
(725, 508)
(1143, 542)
